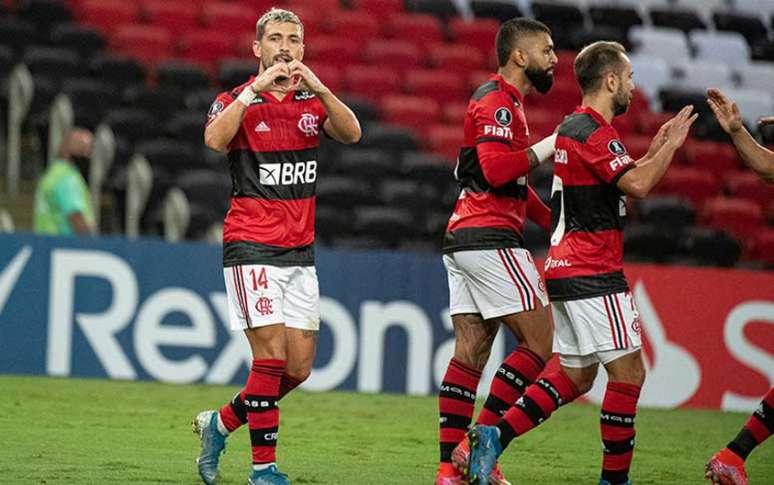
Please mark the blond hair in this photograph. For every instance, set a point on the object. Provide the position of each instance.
(276, 15)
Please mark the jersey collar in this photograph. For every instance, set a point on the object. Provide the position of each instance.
(509, 88)
(593, 113)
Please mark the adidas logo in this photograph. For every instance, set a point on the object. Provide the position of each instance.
(262, 127)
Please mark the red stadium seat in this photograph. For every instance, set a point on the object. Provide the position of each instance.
(177, 16)
(372, 83)
(258, 7)
(717, 157)
(244, 44)
(227, 17)
(542, 122)
(322, 5)
(145, 43)
(562, 98)
(479, 33)
(394, 54)
(739, 217)
(454, 113)
(330, 75)
(747, 185)
(693, 184)
(764, 246)
(477, 78)
(651, 122)
(439, 84)
(380, 8)
(355, 26)
(311, 17)
(445, 140)
(637, 145)
(410, 111)
(625, 124)
(456, 57)
(207, 46)
(333, 50)
(108, 15)
(419, 29)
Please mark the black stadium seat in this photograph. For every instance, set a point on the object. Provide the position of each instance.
(84, 40)
(45, 14)
(232, 73)
(367, 164)
(496, 9)
(181, 76)
(669, 213)
(649, 242)
(562, 19)
(54, 63)
(332, 222)
(427, 168)
(685, 20)
(171, 157)
(90, 99)
(17, 34)
(750, 26)
(388, 224)
(161, 103)
(187, 126)
(389, 137)
(439, 8)
(208, 194)
(619, 17)
(410, 194)
(711, 247)
(579, 38)
(342, 191)
(132, 124)
(119, 71)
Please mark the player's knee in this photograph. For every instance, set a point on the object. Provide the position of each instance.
(300, 373)
(584, 384)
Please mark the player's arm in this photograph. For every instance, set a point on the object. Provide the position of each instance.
(341, 124)
(757, 157)
(500, 163)
(223, 125)
(537, 211)
(78, 224)
(648, 171)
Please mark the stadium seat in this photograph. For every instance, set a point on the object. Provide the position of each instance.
(187, 127)
(755, 7)
(345, 192)
(711, 247)
(161, 103)
(764, 246)
(324, 5)
(748, 185)
(667, 44)
(445, 140)
(739, 217)
(208, 193)
(86, 41)
(495, 9)
(396, 139)
(331, 222)
(108, 15)
(206, 47)
(458, 58)
(382, 9)
(119, 71)
(649, 243)
(561, 18)
(312, 15)
(753, 104)
(329, 74)
(439, 8)
(233, 72)
(636, 145)
(756, 75)
(700, 74)
(479, 33)
(44, 14)
(453, 113)
(581, 37)
(181, 76)
(410, 111)
(90, 100)
(387, 224)
(764, 51)
(426, 167)
(220, 15)
(366, 111)
(356, 26)
(177, 16)
(147, 44)
(171, 157)
(332, 50)
(716, 157)
(396, 54)
(367, 164)
(750, 26)
(728, 47)
(413, 195)
(55, 63)
(671, 18)
(417, 28)
(651, 122)
(17, 34)
(617, 16)
(443, 86)
(371, 83)
(132, 124)
(671, 212)
(694, 184)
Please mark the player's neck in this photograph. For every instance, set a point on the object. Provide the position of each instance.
(516, 78)
(601, 105)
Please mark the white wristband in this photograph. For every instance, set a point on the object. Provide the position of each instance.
(544, 149)
(247, 96)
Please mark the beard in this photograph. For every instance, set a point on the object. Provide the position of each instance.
(541, 79)
(620, 103)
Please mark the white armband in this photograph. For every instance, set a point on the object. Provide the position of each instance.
(544, 149)
(248, 95)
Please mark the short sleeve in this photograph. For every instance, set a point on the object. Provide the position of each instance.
(66, 196)
(221, 102)
(606, 156)
(495, 119)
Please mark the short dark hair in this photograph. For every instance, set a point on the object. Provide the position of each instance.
(511, 31)
(595, 60)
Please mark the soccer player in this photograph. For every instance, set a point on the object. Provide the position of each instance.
(726, 467)
(757, 157)
(270, 127)
(492, 278)
(594, 315)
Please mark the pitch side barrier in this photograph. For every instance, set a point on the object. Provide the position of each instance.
(120, 309)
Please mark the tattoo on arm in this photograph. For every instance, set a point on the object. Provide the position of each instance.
(310, 334)
(533, 159)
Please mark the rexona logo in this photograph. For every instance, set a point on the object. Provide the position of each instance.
(288, 173)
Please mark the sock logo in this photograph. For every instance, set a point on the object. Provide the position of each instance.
(459, 391)
(270, 436)
(518, 380)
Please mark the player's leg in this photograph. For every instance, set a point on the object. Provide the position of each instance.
(727, 466)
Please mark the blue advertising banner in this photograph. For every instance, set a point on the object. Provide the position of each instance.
(146, 309)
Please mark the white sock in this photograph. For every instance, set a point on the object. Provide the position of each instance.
(262, 466)
(222, 427)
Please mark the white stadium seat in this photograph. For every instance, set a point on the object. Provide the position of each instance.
(728, 47)
(667, 44)
(700, 75)
(753, 104)
(650, 75)
(757, 75)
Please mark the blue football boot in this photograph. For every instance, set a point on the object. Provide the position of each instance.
(602, 481)
(268, 476)
(213, 444)
(485, 449)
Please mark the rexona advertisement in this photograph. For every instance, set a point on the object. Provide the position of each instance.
(121, 309)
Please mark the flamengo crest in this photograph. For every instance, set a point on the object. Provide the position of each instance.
(308, 124)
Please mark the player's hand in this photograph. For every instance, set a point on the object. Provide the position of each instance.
(726, 111)
(307, 80)
(275, 78)
(766, 121)
(658, 141)
(679, 127)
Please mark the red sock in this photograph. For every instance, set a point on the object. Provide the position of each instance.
(287, 384)
(261, 395)
(456, 401)
(537, 404)
(518, 370)
(757, 429)
(619, 408)
(234, 413)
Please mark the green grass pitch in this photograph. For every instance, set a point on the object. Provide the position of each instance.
(76, 431)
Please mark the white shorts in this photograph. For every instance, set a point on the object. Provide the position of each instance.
(260, 295)
(493, 282)
(603, 327)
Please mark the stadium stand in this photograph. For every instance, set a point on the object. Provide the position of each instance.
(148, 69)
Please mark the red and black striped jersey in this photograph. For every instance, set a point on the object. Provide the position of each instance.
(273, 164)
(588, 209)
(494, 195)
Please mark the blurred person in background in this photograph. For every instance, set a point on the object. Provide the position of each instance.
(270, 127)
(492, 277)
(63, 204)
(595, 319)
(757, 157)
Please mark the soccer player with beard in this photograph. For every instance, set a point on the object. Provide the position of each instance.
(594, 315)
(492, 278)
(270, 127)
